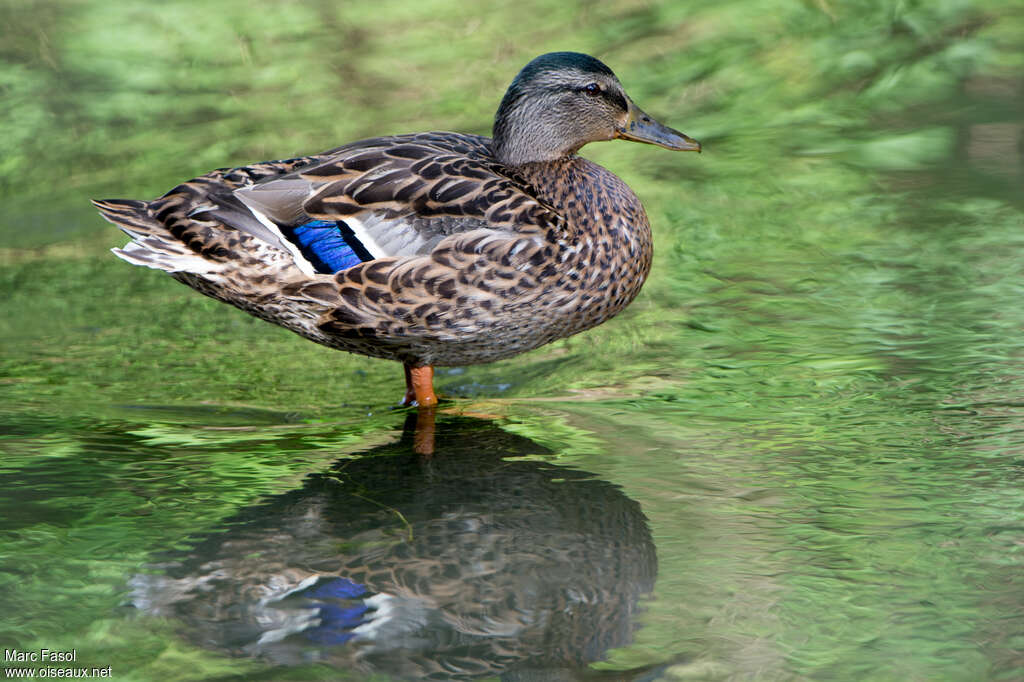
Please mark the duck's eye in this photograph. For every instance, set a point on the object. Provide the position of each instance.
(592, 89)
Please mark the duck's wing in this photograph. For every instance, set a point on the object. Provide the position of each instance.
(384, 197)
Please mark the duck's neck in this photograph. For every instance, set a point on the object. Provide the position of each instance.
(554, 182)
(530, 147)
(523, 136)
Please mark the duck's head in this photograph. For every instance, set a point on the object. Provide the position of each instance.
(561, 101)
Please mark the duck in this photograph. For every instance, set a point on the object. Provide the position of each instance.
(431, 249)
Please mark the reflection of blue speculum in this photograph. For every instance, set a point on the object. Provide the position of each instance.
(337, 620)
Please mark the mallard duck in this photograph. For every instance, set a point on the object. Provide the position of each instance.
(432, 248)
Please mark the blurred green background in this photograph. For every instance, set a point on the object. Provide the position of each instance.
(816, 399)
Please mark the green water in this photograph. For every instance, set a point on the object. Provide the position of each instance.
(798, 455)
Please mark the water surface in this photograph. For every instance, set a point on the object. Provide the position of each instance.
(798, 455)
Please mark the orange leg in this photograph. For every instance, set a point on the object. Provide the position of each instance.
(419, 386)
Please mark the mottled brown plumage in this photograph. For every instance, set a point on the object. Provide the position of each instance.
(473, 249)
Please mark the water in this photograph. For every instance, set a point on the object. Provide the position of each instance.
(798, 455)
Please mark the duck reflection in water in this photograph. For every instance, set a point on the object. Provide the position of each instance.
(455, 566)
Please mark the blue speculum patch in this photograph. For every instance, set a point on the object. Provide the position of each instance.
(329, 245)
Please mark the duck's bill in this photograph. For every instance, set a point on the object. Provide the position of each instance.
(639, 127)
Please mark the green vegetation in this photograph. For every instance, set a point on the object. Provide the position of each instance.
(816, 399)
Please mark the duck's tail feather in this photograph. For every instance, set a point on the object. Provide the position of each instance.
(152, 244)
(128, 214)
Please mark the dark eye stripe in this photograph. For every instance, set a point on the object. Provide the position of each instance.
(616, 99)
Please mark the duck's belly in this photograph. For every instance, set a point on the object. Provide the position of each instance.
(485, 330)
